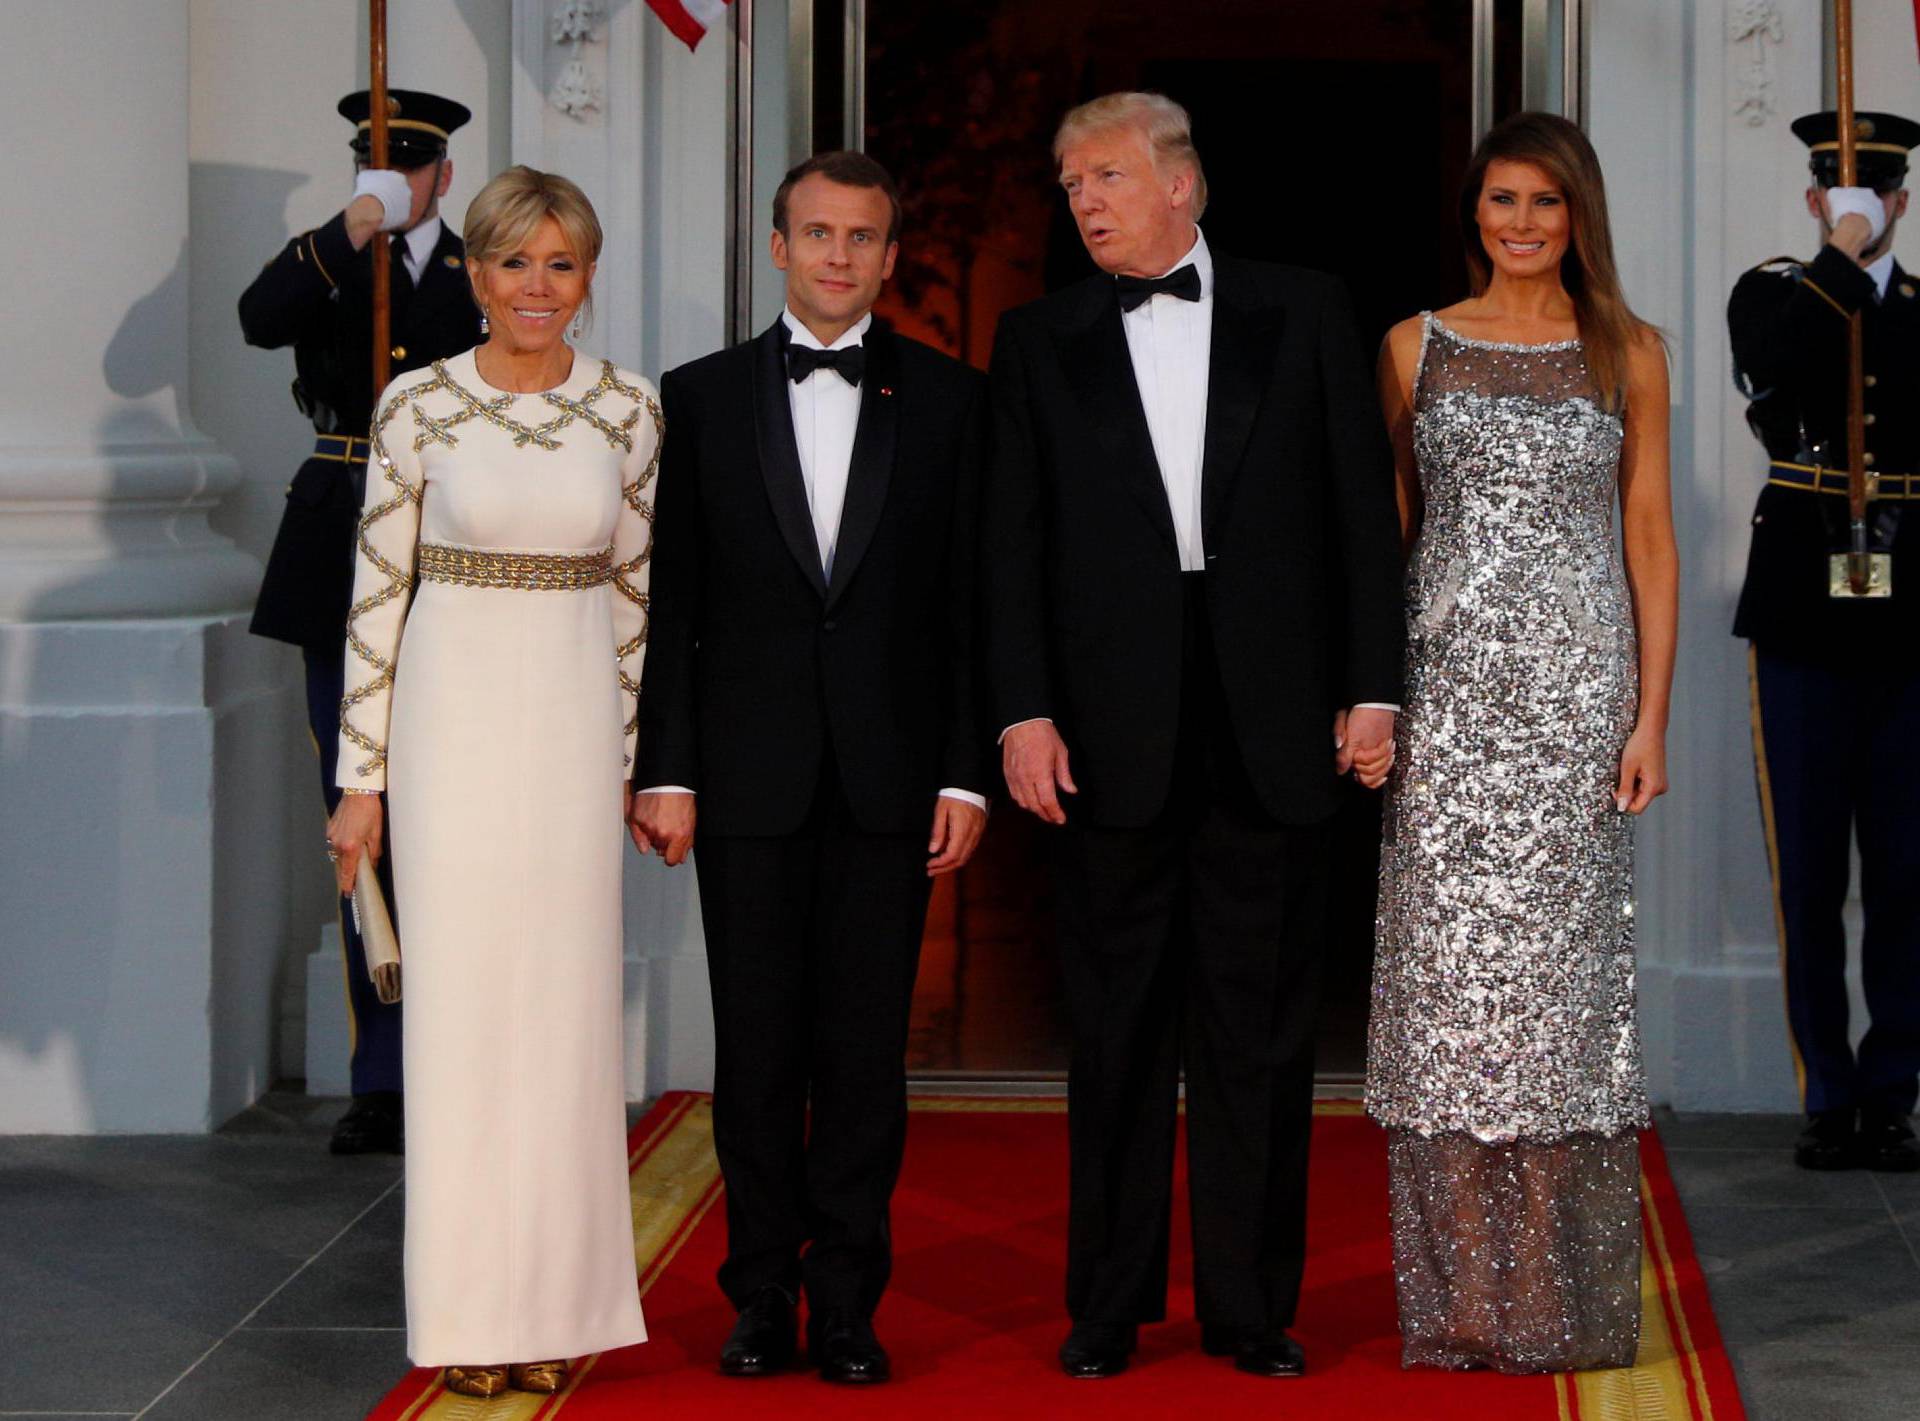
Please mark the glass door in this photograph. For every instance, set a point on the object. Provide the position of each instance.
(1334, 145)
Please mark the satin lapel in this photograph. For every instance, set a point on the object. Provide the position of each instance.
(871, 469)
(780, 456)
(1101, 373)
(1240, 363)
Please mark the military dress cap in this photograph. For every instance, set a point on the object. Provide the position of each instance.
(418, 124)
(1882, 141)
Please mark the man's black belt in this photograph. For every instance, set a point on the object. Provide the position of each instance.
(1814, 478)
(342, 448)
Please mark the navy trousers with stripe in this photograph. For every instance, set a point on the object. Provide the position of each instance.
(376, 1026)
(1838, 755)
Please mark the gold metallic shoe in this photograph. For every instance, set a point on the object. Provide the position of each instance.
(477, 1381)
(544, 1377)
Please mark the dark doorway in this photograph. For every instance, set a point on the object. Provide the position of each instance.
(1334, 137)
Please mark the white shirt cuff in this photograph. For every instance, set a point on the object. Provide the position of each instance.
(1034, 720)
(1377, 705)
(665, 789)
(966, 796)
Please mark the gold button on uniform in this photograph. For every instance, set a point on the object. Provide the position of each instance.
(1872, 380)
(1906, 288)
(1869, 419)
(399, 352)
(1869, 459)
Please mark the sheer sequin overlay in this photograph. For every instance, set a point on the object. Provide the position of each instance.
(1503, 1052)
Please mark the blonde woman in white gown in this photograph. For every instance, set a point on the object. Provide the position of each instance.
(506, 534)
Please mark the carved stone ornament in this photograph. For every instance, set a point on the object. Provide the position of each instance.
(1755, 23)
(576, 90)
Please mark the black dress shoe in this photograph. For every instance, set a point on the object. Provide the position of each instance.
(1260, 1354)
(764, 1338)
(1887, 1143)
(842, 1345)
(1098, 1349)
(1828, 1142)
(373, 1125)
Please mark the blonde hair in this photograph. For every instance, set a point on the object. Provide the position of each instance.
(511, 207)
(1166, 126)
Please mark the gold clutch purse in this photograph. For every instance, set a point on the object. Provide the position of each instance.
(375, 923)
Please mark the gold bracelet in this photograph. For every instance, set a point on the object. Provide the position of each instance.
(359, 791)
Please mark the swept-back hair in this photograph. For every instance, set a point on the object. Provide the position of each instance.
(1608, 327)
(510, 208)
(1168, 130)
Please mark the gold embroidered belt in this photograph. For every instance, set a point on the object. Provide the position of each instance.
(1813, 478)
(527, 572)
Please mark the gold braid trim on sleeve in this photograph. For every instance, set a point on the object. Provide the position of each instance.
(399, 583)
(635, 496)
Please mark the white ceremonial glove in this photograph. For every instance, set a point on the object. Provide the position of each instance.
(1862, 200)
(397, 198)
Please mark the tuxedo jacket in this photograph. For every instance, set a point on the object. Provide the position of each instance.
(757, 666)
(316, 295)
(1083, 595)
(1788, 325)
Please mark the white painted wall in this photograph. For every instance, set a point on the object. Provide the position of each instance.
(270, 158)
(1699, 194)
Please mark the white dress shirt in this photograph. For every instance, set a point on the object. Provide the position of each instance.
(1881, 272)
(418, 245)
(826, 412)
(1170, 341)
(826, 415)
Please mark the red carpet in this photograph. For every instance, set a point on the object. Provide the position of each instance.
(974, 1314)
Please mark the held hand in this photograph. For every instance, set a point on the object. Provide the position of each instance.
(957, 827)
(357, 827)
(1643, 771)
(1364, 742)
(1034, 759)
(663, 824)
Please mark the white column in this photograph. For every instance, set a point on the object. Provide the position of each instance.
(141, 888)
(1689, 109)
(640, 124)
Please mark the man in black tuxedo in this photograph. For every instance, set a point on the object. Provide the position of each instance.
(1193, 628)
(810, 685)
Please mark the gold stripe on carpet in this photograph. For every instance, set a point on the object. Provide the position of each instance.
(1654, 1388)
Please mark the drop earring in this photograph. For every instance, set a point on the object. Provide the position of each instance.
(485, 326)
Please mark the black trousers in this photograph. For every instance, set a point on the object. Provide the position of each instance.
(375, 1025)
(1194, 940)
(1838, 754)
(813, 940)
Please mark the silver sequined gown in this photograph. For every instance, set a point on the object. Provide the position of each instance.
(1503, 1054)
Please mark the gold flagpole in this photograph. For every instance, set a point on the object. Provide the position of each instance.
(377, 158)
(1859, 565)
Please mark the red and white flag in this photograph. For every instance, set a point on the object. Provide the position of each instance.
(689, 19)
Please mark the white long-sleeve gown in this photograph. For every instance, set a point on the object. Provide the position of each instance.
(507, 536)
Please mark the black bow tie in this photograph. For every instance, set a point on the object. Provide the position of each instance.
(849, 363)
(1183, 282)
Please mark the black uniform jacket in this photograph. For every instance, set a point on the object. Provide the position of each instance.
(317, 296)
(1788, 325)
(758, 666)
(1084, 599)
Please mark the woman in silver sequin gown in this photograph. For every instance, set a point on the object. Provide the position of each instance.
(1503, 1054)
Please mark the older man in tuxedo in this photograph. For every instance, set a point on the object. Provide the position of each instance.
(1193, 629)
(810, 687)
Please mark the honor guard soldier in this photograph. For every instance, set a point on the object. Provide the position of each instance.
(317, 296)
(1836, 672)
